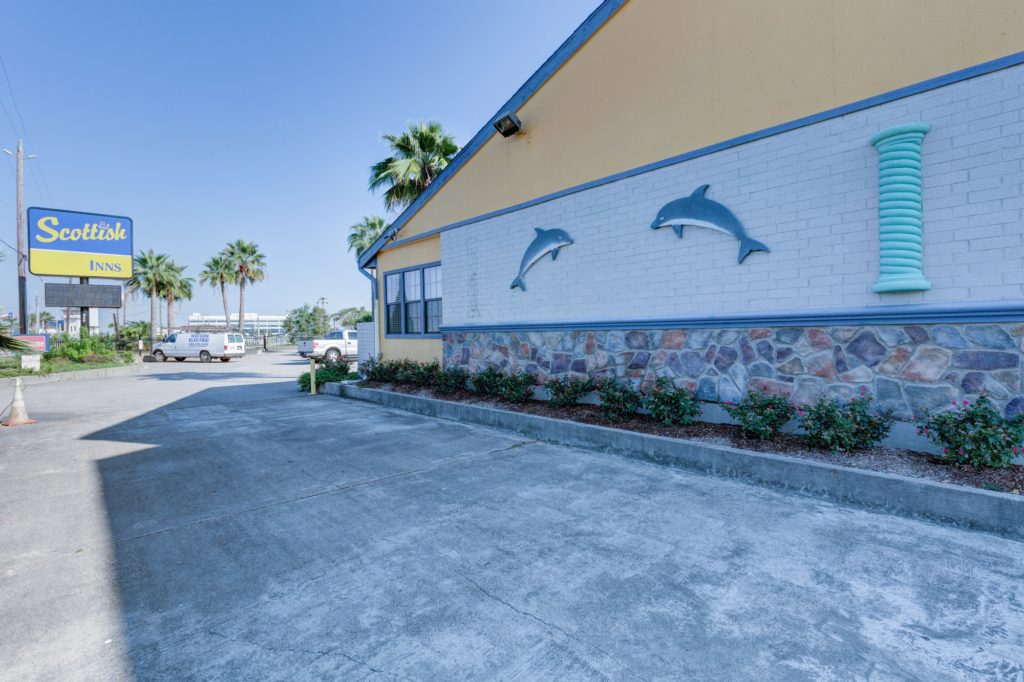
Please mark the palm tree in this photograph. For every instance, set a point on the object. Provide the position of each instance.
(248, 264)
(42, 321)
(418, 155)
(175, 288)
(218, 272)
(151, 272)
(12, 345)
(364, 233)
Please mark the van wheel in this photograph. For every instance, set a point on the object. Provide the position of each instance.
(332, 356)
(180, 359)
(225, 359)
(204, 356)
(159, 355)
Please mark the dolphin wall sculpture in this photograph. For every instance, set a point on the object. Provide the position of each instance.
(546, 241)
(700, 211)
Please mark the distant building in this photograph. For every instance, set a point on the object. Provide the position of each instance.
(255, 323)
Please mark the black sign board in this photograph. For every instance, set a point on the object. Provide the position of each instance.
(82, 295)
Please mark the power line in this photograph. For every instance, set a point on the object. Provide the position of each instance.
(24, 130)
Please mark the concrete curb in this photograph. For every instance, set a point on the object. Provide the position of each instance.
(59, 377)
(986, 510)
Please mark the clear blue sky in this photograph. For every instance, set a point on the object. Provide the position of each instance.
(207, 121)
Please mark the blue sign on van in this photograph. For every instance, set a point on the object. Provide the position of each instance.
(75, 244)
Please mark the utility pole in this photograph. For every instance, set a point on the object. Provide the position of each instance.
(22, 253)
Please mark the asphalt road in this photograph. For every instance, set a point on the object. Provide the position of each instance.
(209, 522)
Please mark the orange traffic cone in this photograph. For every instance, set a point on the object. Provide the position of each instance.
(18, 414)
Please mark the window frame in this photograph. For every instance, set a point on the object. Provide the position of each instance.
(401, 302)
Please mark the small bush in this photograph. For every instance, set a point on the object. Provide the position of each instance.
(336, 372)
(672, 406)
(619, 399)
(975, 434)
(845, 427)
(760, 414)
(568, 391)
(407, 371)
(425, 373)
(451, 380)
(487, 382)
(516, 387)
(379, 370)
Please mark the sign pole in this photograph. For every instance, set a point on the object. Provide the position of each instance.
(83, 313)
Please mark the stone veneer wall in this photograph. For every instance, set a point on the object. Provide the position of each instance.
(907, 368)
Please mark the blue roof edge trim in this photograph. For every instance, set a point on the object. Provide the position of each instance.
(995, 311)
(939, 81)
(559, 57)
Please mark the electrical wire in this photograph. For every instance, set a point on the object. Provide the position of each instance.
(24, 130)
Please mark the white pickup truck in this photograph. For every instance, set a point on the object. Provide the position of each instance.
(335, 347)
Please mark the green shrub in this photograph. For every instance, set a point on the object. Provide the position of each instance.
(424, 373)
(451, 380)
(487, 382)
(672, 406)
(619, 399)
(85, 349)
(761, 414)
(407, 371)
(844, 427)
(325, 373)
(567, 392)
(517, 387)
(975, 434)
(379, 370)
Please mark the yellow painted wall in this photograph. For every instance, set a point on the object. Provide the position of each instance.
(664, 77)
(424, 251)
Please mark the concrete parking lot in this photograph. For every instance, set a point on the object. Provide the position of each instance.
(209, 522)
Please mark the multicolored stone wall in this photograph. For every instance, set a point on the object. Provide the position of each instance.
(907, 368)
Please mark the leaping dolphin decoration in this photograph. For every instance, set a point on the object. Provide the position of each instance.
(546, 241)
(700, 211)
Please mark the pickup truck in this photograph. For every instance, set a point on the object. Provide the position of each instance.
(335, 347)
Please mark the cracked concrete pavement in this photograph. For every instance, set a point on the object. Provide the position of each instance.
(209, 522)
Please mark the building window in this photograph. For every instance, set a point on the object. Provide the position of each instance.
(413, 301)
(432, 297)
(393, 291)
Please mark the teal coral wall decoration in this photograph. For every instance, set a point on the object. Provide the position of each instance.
(899, 209)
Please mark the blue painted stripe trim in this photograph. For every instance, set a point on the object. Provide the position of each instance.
(900, 93)
(999, 311)
(553, 63)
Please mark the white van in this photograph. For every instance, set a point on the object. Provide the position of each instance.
(202, 345)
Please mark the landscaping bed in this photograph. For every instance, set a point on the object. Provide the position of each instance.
(883, 459)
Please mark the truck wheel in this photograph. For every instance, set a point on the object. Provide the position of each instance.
(180, 359)
(204, 356)
(159, 355)
(225, 359)
(332, 356)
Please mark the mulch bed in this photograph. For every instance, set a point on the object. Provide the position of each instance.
(885, 459)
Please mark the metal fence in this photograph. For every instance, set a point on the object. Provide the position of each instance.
(252, 343)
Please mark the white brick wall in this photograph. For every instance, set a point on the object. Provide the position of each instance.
(810, 195)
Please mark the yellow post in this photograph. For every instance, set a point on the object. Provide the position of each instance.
(312, 376)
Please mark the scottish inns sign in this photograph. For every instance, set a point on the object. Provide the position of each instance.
(74, 244)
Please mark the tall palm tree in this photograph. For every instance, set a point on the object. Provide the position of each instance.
(249, 265)
(364, 233)
(219, 271)
(176, 288)
(151, 272)
(418, 155)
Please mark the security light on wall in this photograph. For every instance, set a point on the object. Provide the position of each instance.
(508, 124)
